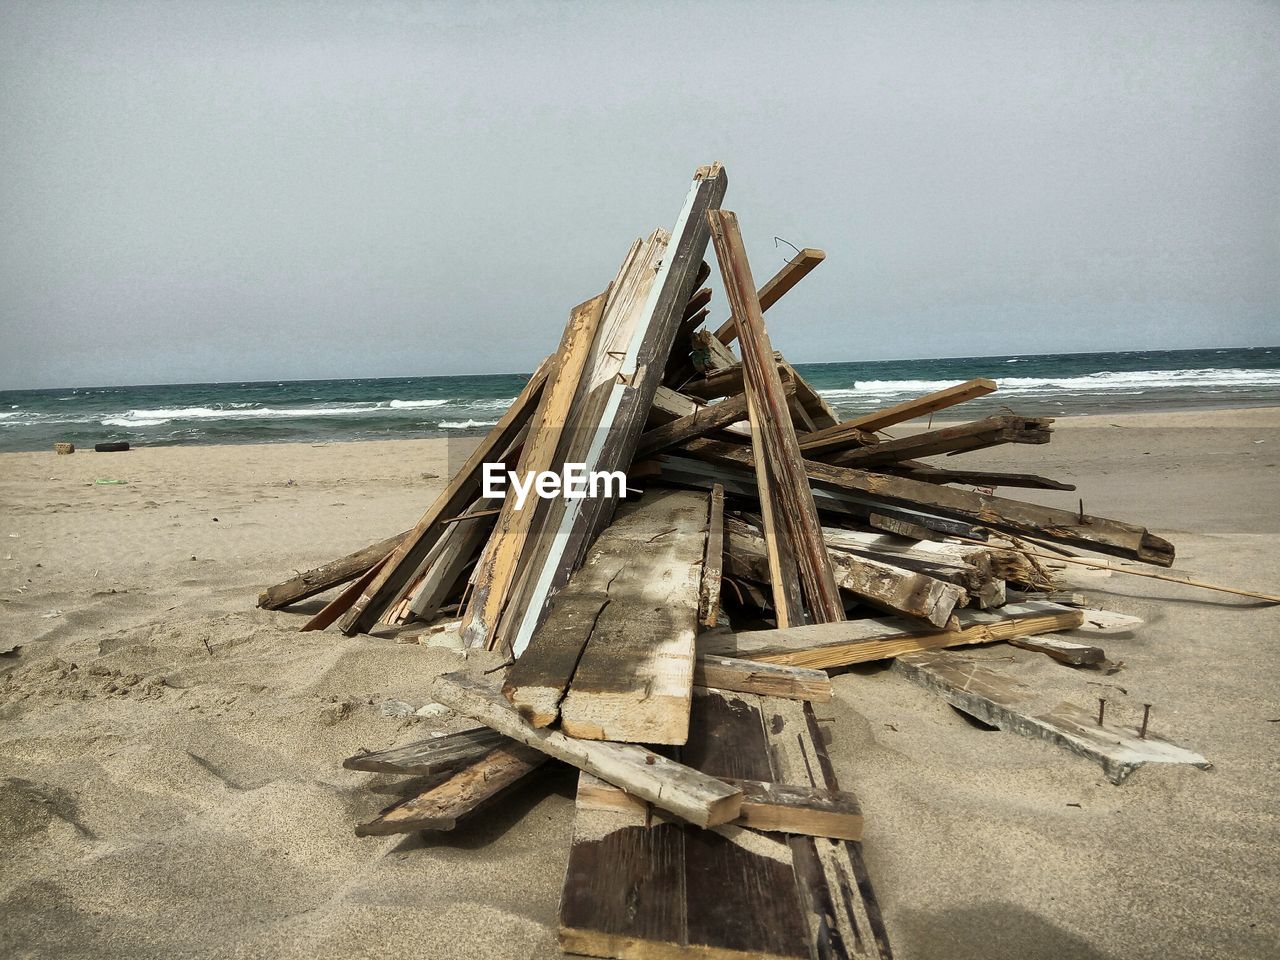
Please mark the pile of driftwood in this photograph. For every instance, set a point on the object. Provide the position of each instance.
(668, 639)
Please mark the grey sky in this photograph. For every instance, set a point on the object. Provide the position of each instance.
(217, 191)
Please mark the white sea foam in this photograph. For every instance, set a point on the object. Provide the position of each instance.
(466, 424)
(415, 404)
(127, 422)
(1126, 382)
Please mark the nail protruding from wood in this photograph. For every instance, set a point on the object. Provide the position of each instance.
(1102, 709)
(1146, 717)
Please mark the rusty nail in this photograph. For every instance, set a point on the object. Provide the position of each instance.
(1146, 715)
(1102, 709)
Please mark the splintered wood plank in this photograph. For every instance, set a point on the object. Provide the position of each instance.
(636, 595)
(709, 354)
(511, 534)
(694, 796)
(402, 565)
(779, 468)
(831, 646)
(772, 807)
(999, 700)
(442, 805)
(424, 757)
(797, 268)
(838, 436)
(626, 407)
(638, 886)
(333, 574)
(634, 680)
(1011, 516)
(764, 679)
(335, 608)
(702, 421)
(448, 559)
(713, 561)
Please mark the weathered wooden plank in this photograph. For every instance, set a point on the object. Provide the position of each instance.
(332, 574)
(627, 407)
(1062, 650)
(832, 646)
(960, 438)
(763, 679)
(463, 489)
(777, 451)
(335, 608)
(713, 561)
(881, 584)
(694, 796)
(634, 680)
(637, 886)
(702, 421)
(977, 478)
(497, 571)
(772, 807)
(442, 805)
(429, 756)
(448, 559)
(815, 407)
(797, 268)
(999, 700)
(636, 596)
(1013, 516)
(840, 435)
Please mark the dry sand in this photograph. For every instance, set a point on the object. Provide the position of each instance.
(169, 756)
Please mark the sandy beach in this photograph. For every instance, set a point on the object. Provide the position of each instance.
(170, 778)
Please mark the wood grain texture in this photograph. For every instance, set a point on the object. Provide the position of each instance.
(999, 700)
(779, 468)
(634, 680)
(511, 535)
(713, 561)
(694, 796)
(960, 438)
(429, 756)
(332, 574)
(442, 805)
(832, 646)
(762, 679)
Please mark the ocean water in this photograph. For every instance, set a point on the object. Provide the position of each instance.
(338, 410)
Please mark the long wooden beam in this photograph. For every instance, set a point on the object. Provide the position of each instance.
(838, 437)
(778, 465)
(1113, 537)
(799, 267)
(332, 574)
(961, 438)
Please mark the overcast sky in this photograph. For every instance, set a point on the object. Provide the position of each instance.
(223, 191)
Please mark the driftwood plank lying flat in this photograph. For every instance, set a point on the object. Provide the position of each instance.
(831, 646)
(425, 757)
(772, 807)
(694, 796)
(979, 435)
(1012, 516)
(443, 804)
(779, 469)
(634, 680)
(839, 436)
(326, 577)
(639, 889)
(762, 679)
(1000, 701)
(1064, 651)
